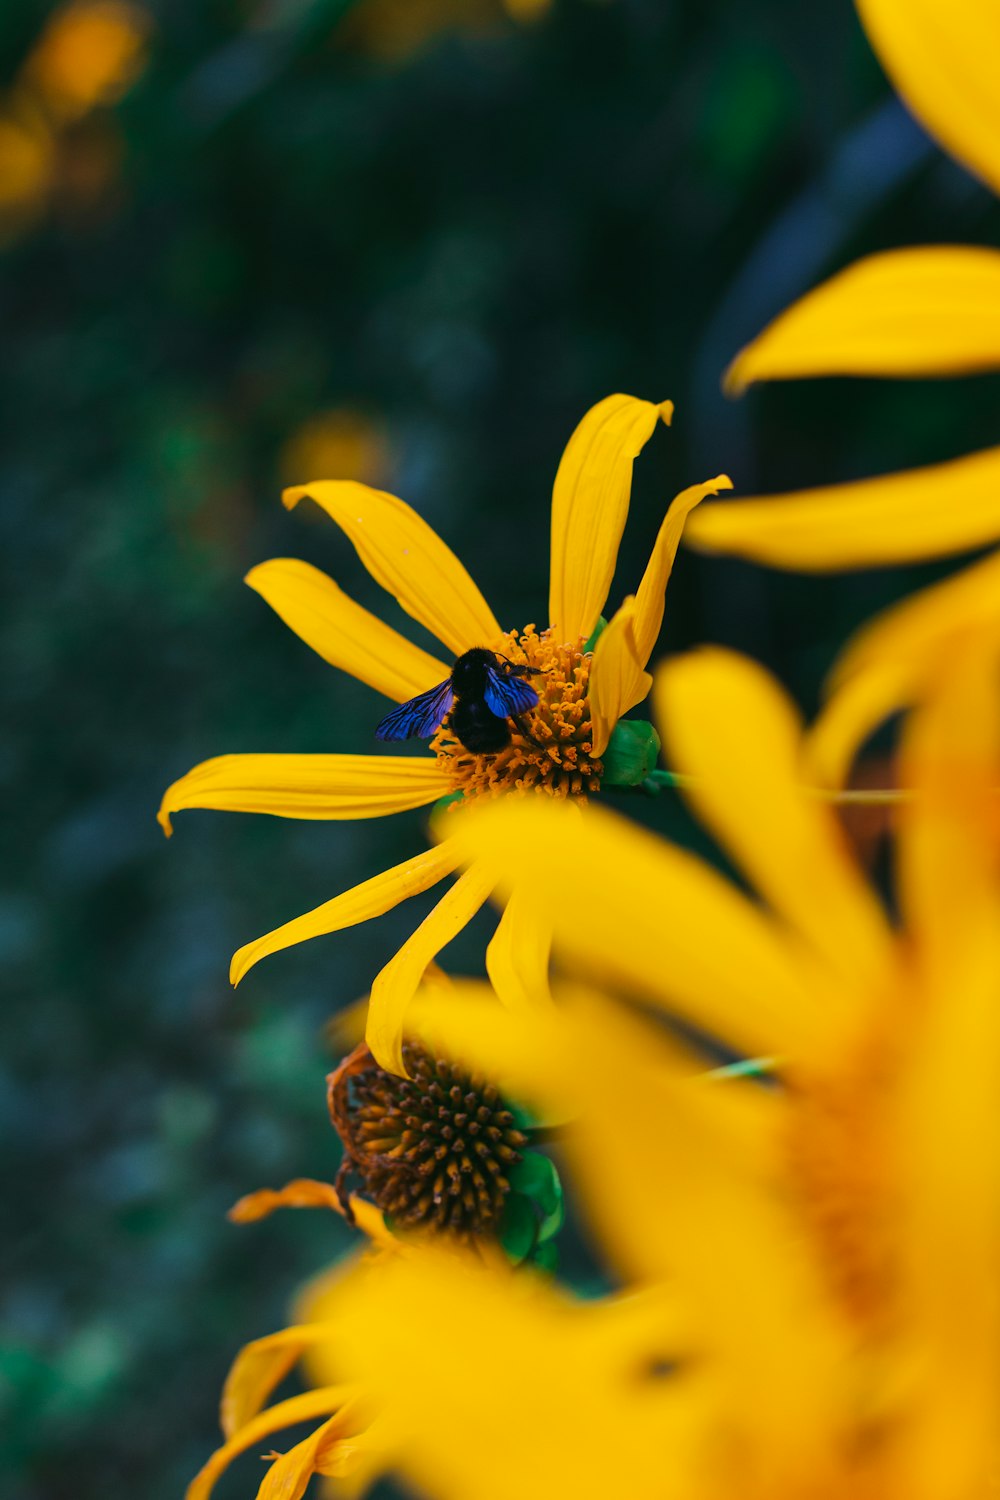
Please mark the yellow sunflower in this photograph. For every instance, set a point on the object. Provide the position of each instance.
(932, 310)
(834, 1246)
(571, 745)
(809, 1271)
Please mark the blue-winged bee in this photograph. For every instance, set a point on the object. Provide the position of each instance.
(483, 693)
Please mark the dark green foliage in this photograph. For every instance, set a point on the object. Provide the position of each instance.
(469, 245)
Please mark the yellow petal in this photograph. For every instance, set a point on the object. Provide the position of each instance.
(940, 58)
(927, 311)
(695, 946)
(370, 899)
(261, 1366)
(885, 666)
(618, 679)
(589, 506)
(517, 958)
(948, 833)
(920, 513)
(948, 1201)
(672, 1172)
(652, 589)
(544, 1395)
(289, 1475)
(343, 633)
(409, 560)
(730, 729)
(296, 1409)
(399, 981)
(302, 1192)
(307, 786)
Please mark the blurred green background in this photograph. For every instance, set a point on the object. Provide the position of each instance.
(408, 241)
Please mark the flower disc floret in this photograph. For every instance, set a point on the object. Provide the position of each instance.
(432, 1151)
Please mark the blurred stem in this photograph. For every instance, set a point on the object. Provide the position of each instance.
(656, 781)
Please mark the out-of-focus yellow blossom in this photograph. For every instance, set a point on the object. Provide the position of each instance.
(339, 441)
(27, 164)
(833, 1243)
(393, 30)
(923, 311)
(809, 1270)
(583, 695)
(90, 54)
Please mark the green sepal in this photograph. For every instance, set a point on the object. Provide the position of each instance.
(595, 634)
(535, 1177)
(546, 1257)
(523, 1118)
(518, 1228)
(632, 753)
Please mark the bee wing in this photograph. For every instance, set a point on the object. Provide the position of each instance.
(507, 696)
(419, 717)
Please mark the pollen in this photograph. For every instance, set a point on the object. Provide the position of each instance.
(555, 755)
(433, 1151)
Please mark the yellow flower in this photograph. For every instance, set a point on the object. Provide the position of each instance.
(90, 54)
(919, 311)
(345, 1444)
(582, 696)
(809, 1271)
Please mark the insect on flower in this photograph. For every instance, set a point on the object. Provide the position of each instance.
(484, 692)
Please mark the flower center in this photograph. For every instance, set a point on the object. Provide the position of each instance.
(433, 1150)
(839, 1162)
(555, 753)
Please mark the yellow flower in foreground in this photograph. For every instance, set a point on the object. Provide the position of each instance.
(582, 697)
(835, 1252)
(924, 311)
(810, 1307)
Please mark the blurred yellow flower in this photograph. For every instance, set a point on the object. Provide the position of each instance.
(27, 163)
(90, 54)
(583, 695)
(339, 441)
(828, 1248)
(920, 311)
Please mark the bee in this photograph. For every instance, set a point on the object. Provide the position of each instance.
(483, 693)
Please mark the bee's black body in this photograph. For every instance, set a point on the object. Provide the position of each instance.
(482, 694)
(471, 720)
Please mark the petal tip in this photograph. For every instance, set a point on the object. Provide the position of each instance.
(736, 380)
(666, 411)
(291, 496)
(163, 818)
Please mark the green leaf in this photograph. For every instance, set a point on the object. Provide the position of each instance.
(546, 1257)
(518, 1228)
(536, 1177)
